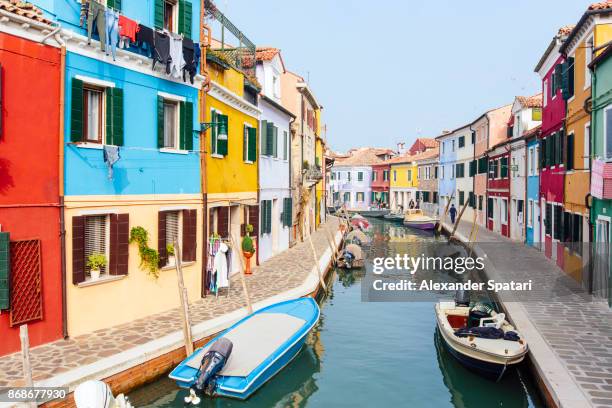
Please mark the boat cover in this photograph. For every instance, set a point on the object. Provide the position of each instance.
(363, 238)
(254, 340)
(355, 250)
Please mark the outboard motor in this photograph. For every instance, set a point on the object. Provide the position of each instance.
(462, 298)
(213, 361)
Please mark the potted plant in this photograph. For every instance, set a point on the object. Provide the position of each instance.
(94, 262)
(170, 252)
(248, 248)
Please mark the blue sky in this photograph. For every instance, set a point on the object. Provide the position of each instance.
(389, 71)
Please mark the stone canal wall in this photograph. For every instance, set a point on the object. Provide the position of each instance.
(133, 354)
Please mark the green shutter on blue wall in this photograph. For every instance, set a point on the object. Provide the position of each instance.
(185, 17)
(160, 122)
(159, 14)
(114, 116)
(186, 126)
(116, 4)
(5, 268)
(76, 111)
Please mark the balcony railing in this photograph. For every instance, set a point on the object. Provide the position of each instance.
(312, 173)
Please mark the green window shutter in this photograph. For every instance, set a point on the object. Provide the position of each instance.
(504, 167)
(76, 111)
(182, 121)
(269, 150)
(222, 144)
(561, 146)
(213, 133)
(263, 135)
(185, 17)
(252, 136)
(114, 116)
(159, 14)
(472, 168)
(160, 122)
(285, 145)
(557, 80)
(570, 82)
(275, 144)
(188, 126)
(116, 4)
(269, 216)
(5, 268)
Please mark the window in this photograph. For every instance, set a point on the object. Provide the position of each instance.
(588, 55)
(608, 132)
(443, 147)
(453, 145)
(461, 197)
(93, 122)
(266, 216)
(360, 197)
(460, 170)
(269, 139)
(418, 174)
(504, 167)
(514, 167)
(482, 165)
(472, 199)
(461, 141)
(536, 156)
(385, 175)
(531, 161)
(480, 199)
(504, 211)
(333, 175)
(490, 208)
(519, 211)
(360, 176)
(435, 197)
(587, 147)
(558, 222)
(219, 134)
(442, 172)
(374, 173)
(170, 15)
(171, 124)
(276, 86)
(545, 92)
(569, 160)
(285, 145)
(394, 175)
(548, 219)
(530, 213)
(492, 169)
(452, 172)
(173, 231)
(435, 172)
(348, 175)
(96, 240)
(347, 197)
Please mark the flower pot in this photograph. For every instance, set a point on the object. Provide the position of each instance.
(95, 274)
(247, 256)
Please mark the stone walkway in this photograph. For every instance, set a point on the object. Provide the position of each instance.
(283, 272)
(574, 324)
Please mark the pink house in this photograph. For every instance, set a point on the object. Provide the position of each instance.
(552, 171)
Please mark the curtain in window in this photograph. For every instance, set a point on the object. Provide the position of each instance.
(93, 115)
(170, 125)
(95, 238)
(172, 227)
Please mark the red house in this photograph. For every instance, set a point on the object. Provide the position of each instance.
(30, 205)
(552, 169)
(380, 183)
(498, 189)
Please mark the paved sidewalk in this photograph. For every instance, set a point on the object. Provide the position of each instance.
(279, 274)
(575, 326)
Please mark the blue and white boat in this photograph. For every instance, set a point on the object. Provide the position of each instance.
(242, 358)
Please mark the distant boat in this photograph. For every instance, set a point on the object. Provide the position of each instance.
(245, 356)
(394, 216)
(484, 343)
(372, 212)
(415, 218)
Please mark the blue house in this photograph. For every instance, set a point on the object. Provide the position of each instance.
(532, 156)
(131, 157)
(449, 144)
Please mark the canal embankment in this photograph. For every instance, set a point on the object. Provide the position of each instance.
(133, 354)
(568, 330)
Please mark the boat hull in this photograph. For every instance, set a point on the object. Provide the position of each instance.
(423, 225)
(371, 213)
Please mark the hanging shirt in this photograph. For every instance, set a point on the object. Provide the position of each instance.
(220, 267)
(146, 39)
(176, 55)
(161, 50)
(128, 28)
(190, 66)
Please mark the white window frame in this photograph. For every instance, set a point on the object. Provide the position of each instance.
(537, 160)
(245, 137)
(530, 212)
(175, 13)
(545, 91)
(177, 126)
(504, 214)
(453, 146)
(106, 275)
(179, 234)
(213, 149)
(607, 156)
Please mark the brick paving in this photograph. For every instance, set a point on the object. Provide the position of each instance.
(576, 325)
(283, 272)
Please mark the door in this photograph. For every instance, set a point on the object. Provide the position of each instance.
(603, 260)
(536, 225)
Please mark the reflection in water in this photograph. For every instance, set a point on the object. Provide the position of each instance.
(370, 354)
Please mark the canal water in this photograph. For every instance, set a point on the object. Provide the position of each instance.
(365, 354)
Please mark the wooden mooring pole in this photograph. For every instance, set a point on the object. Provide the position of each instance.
(459, 218)
(25, 358)
(245, 289)
(445, 212)
(184, 300)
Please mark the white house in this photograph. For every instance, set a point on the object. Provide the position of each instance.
(274, 157)
(464, 170)
(526, 115)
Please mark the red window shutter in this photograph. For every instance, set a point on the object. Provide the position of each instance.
(254, 219)
(189, 235)
(78, 250)
(123, 243)
(223, 222)
(161, 238)
(112, 262)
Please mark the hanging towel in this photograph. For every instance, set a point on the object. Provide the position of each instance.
(176, 55)
(96, 15)
(112, 31)
(221, 267)
(128, 28)
(190, 66)
(161, 50)
(111, 156)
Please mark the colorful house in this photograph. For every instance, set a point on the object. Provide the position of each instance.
(232, 158)
(601, 178)
(352, 177)
(592, 31)
(464, 174)
(299, 99)
(552, 168)
(447, 180)
(403, 184)
(31, 185)
(274, 155)
(532, 170)
(131, 159)
(489, 130)
(380, 184)
(320, 147)
(427, 175)
(526, 115)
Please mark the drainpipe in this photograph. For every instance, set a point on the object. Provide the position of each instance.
(61, 186)
(204, 42)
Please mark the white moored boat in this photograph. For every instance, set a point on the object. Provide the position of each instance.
(415, 218)
(486, 345)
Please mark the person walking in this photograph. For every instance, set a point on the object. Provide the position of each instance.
(453, 213)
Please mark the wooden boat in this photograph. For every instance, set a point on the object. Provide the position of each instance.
(351, 257)
(358, 237)
(415, 218)
(260, 345)
(489, 357)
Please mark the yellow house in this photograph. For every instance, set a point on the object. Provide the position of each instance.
(231, 172)
(592, 31)
(403, 183)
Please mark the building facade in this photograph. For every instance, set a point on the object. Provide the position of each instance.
(446, 175)
(427, 174)
(532, 170)
(274, 156)
(31, 184)
(464, 176)
(498, 189)
(380, 185)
